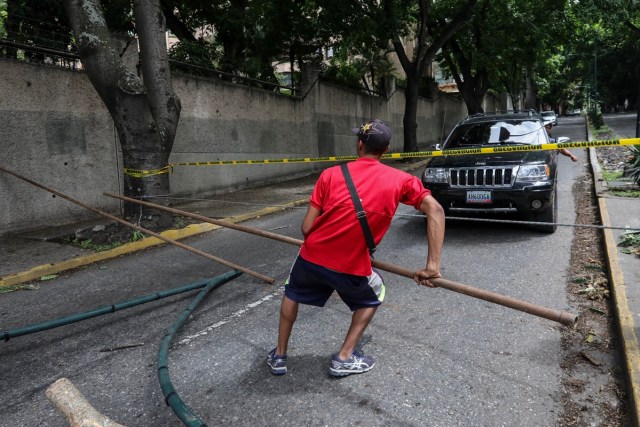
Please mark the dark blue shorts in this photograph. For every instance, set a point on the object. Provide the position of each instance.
(313, 284)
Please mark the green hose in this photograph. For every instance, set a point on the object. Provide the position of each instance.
(171, 397)
(38, 327)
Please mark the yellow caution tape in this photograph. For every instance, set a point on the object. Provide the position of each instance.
(267, 161)
(141, 173)
(417, 154)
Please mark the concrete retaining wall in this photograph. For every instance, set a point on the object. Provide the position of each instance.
(56, 131)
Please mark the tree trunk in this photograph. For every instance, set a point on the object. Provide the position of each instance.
(409, 121)
(422, 56)
(530, 97)
(145, 113)
(472, 100)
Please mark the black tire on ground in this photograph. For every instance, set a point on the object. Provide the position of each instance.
(549, 215)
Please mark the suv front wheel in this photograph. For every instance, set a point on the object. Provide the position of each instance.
(549, 215)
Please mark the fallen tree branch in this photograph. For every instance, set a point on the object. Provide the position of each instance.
(74, 407)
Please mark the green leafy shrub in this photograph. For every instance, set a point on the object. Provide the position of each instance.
(630, 241)
(344, 72)
(635, 165)
(184, 54)
(595, 118)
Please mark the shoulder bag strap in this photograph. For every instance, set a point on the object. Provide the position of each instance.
(360, 213)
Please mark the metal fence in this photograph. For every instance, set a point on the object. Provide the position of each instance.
(39, 55)
(32, 53)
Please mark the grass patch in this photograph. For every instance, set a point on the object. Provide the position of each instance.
(594, 267)
(137, 235)
(580, 280)
(625, 193)
(11, 288)
(89, 244)
(612, 175)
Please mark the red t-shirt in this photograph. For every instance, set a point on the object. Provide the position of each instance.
(336, 240)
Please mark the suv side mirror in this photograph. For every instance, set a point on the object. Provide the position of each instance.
(562, 139)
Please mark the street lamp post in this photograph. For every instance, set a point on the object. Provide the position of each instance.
(587, 88)
(595, 76)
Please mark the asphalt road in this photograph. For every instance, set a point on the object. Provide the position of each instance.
(624, 124)
(443, 359)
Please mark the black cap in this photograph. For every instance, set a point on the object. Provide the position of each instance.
(375, 133)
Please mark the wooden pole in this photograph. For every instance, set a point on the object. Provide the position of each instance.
(526, 307)
(144, 230)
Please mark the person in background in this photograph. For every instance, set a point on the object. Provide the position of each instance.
(335, 257)
(548, 126)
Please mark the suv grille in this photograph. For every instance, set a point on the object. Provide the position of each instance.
(482, 177)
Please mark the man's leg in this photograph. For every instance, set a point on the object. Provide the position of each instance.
(288, 315)
(359, 322)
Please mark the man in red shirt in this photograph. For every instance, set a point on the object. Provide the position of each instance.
(335, 256)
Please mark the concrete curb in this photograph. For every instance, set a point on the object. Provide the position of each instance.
(37, 272)
(626, 324)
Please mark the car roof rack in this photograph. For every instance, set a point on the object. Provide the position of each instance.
(472, 116)
(530, 112)
(504, 115)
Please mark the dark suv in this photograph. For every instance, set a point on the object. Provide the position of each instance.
(513, 182)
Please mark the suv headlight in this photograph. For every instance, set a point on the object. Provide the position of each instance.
(436, 175)
(530, 173)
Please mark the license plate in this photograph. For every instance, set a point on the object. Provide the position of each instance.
(479, 197)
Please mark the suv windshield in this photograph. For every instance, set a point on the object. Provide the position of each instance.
(490, 133)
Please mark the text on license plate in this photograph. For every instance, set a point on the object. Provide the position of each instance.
(478, 196)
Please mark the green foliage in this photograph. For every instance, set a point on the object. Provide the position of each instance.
(502, 42)
(89, 244)
(41, 23)
(625, 193)
(599, 51)
(11, 288)
(3, 18)
(630, 241)
(359, 68)
(179, 222)
(577, 52)
(348, 73)
(610, 175)
(635, 165)
(200, 54)
(137, 235)
(595, 118)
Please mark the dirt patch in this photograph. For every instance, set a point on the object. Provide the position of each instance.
(114, 234)
(594, 386)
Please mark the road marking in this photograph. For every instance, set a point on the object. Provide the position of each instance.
(231, 317)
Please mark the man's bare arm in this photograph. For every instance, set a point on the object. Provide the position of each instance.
(435, 238)
(309, 218)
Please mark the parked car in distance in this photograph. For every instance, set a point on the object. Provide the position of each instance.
(549, 116)
(513, 182)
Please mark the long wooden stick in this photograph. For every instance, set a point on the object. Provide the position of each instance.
(144, 230)
(526, 307)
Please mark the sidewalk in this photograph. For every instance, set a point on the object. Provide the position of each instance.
(30, 256)
(624, 277)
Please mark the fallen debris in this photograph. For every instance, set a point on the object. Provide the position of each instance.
(590, 359)
(76, 409)
(121, 347)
